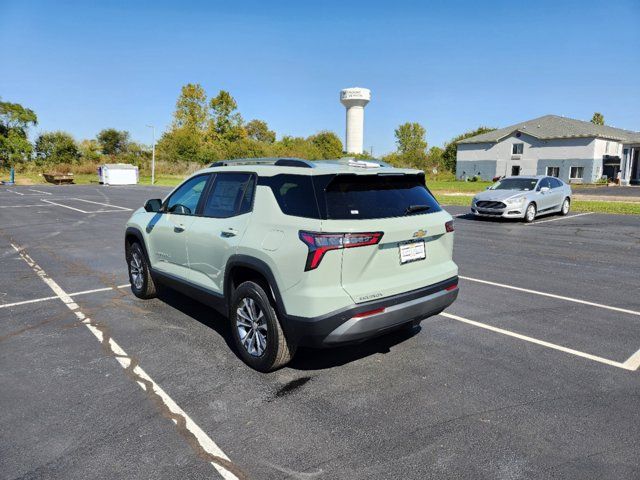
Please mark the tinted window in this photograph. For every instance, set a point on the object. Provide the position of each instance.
(555, 183)
(232, 194)
(294, 194)
(185, 199)
(377, 196)
(515, 184)
(544, 183)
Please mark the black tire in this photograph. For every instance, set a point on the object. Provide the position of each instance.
(527, 217)
(143, 286)
(278, 351)
(564, 212)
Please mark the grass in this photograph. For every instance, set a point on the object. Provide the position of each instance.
(624, 208)
(456, 186)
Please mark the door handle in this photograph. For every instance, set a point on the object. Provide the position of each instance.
(229, 232)
(178, 228)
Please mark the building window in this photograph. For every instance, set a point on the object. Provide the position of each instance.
(515, 170)
(553, 171)
(517, 148)
(576, 172)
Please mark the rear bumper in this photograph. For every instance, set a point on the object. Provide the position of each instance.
(347, 325)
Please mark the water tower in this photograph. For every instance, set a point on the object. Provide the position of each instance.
(355, 99)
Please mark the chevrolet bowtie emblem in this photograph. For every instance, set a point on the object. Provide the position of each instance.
(419, 234)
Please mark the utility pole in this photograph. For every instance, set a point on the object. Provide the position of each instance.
(153, 154)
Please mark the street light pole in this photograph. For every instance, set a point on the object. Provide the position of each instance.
(153, 155)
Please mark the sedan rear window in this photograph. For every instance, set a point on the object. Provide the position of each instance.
(377, 196)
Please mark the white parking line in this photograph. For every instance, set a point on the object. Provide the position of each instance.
(559, 218)
(64, 206)
(552, 295)
(44, 299)
(13, 191)
(40, 191)
(105, 204)
(631, 364)
(218, 458)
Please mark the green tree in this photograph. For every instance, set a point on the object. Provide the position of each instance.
(597, 119)
(411, 144)
(191, 108)
(14, 117)
(258, 130)
(226, 124)
(451, 148)
(15, 121)
(434, 157)
(56, 148)
(112, 141)
(89, 150)
(327, 143)
(14, 148)
(411, 138)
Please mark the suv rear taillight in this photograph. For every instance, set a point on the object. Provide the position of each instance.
(321, 243)
(449, 226)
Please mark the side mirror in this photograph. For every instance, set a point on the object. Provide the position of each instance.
(544, 189)
(153, 205)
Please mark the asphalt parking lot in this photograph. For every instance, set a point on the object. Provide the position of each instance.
(532, 373)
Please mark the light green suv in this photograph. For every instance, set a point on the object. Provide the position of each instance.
(296, 253)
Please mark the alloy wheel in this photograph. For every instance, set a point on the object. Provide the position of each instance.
(531, 213)
(252, 327)
(136, 268)
(565, 206)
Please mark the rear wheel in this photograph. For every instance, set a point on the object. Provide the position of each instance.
(142, 284)
(256, 330)
(530, 213)
(566, 205)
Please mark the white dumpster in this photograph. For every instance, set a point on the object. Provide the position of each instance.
(118, 174)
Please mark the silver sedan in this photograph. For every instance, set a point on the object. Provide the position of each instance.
(523, 197)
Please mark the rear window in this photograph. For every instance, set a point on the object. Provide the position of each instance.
(377, 196)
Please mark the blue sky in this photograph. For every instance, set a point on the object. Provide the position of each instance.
(452, 66)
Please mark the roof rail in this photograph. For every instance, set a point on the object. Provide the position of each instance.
(277, 161)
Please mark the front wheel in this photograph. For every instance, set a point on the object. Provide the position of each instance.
(530, 213)
(142, 284)
(256, 330)
(566, 205)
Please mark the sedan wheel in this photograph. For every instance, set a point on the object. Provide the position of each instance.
(565, 206)
(530, 213)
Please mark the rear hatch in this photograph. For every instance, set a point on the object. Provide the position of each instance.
(415, 249)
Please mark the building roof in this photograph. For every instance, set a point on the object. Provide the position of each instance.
(555, 127)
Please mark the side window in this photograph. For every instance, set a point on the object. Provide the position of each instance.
(555, 183)
(184, 200)
(232, 194)
(544, 183)
(294, 194)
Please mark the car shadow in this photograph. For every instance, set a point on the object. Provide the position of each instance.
(322, 358)
(305, 358)
(204, 314)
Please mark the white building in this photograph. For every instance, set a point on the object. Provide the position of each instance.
(572, 150)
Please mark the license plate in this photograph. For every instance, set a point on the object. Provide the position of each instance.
(412, 251)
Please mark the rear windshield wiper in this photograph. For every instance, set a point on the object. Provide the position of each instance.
(416, 208)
